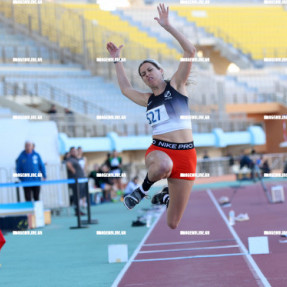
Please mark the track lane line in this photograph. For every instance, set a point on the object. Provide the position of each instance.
(188, 249)
(255, 270)
(189, 257)
(131, 260)
(186, 242)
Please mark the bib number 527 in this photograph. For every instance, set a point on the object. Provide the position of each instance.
(153, 116)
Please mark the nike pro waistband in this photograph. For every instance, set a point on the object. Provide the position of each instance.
(169, 145)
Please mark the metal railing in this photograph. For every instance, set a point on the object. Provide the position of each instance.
(48, 57)
(221, 166)
(124, 128)
(53, 196)
(68, 32)
(94, 128)
(50, 93)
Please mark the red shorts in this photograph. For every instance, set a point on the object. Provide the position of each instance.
(183, 157)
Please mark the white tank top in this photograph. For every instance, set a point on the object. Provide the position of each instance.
(167, 112)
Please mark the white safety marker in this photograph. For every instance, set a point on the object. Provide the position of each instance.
(258, 245)
(118, 253)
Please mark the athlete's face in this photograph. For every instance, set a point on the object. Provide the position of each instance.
(151, 75)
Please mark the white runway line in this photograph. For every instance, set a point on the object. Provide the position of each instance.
(189, 249)
(190, 257)
(123, 271)
(258, 275)
(187, 242)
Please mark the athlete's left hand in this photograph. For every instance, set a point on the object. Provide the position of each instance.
(163, 16)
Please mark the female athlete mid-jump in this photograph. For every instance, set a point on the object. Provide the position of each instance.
(172, 154)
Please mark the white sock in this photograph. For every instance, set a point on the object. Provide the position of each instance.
(165, 198)
(144, 192)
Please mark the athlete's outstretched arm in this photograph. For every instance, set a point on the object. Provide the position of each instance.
(181, 75)
(124, 83)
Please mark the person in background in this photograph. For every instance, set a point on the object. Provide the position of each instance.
(29, 162)
(231, 159)
(231, 162)
(66, 156)
(107, 161)
(131, 186)
(68, 112)
(82, 159)
(115, 164)
(93, 175)
(75, 171)
(258, 166)
(265, 167)
(205, 164)
(96, 183)
(52, 110)
(205, 156)
(64, 161)
(245, 160)
(106, 184)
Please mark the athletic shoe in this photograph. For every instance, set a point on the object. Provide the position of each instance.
(131, 200)
(158, 198)
(138, 223)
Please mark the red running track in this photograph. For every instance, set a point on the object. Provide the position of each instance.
(263, 217)
(168, 258)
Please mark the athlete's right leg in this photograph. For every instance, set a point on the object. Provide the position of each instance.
(159, 166)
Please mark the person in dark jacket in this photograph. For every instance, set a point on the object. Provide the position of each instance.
(30, 163)
(245, 160)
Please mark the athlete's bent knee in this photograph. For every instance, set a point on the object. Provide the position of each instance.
(164, 167)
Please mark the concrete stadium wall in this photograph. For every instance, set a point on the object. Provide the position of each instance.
(14, 133)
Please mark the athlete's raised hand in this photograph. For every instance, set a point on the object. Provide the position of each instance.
(163, 16)
(114, 50)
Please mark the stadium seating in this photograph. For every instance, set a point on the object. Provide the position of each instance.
(145, 22)
(260, 41)
(71, 80)
(60, 23)
(133, 38)
(77, 83)
(16, 45)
